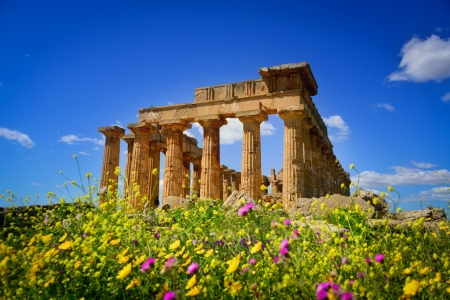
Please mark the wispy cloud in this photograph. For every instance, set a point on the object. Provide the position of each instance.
(437, 193)
(401, 176)
(423, 165)
(96, 148)
(340, 131)
(72, 139)
(27, 55)
(188, 133)
(84, 153)
(58, 186)
(446, 97)
(36, 183)
(424, 60)
(386, 106)
(15, 135)
(118, 124)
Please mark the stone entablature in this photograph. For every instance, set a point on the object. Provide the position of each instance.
(310, 168)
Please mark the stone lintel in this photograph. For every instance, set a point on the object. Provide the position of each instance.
(112, 131)
(256, 114)
(211, 119)
(176, 123)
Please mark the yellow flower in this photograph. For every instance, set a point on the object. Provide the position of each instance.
(191, 282)
(194, 292)
(235, 287)
(411, 288)
(66, 245)
(124, 272)
(115, 242)
(174, 245)
(199, 247)
(140, 260)
(187, 262)
(33, 239)
(123, 259)
(63, 238)
(234, 264)
(133, 283)
(209, 252)
(256, 248)
(77, 264)
(390, 188)
(155, 171)
(52, 280)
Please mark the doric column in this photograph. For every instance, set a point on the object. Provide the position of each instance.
(140, 170)
(251, 152)
(320, 170)
(293, 161)
(223, 181)
(314, 165)
(210, 177)
(307, 157)
(173, 170)
(111, 153)
(237, 181)
(227, 181)
(196, 177)
(234, 186)
(186, 171)
(129, 139)
(154, 162)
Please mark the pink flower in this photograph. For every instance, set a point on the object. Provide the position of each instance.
(252, 261)
(283, 251)
(242, 211)
(284, 244)
(170, 295)
(287, 222)
(192, 268)
(150, 262)
(276, 259)
(344, 260)
(379, 258)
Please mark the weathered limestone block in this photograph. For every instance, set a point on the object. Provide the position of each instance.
(210, 186)
(173, 171)
(111, 153)
(237, 197)
(174, 201)
(251, 153)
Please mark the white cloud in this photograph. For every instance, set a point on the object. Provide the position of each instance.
(36, 183)
(96, 148)
(84, 153)
(386, 106)
(402, 176)
(72, 139)
(188, 133)
(58, 186)
(16, 135)
(170, 103)
(446, 97)
(423, 165)
(342, 129)
(438, 193)
(267, 128)
(424, 60)
(118, 124)
(125, 152)
(161, 183)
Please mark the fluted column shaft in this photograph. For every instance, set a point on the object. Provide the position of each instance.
(211, 182)
(129, 139)
(293, 161)
(196, 177)
(186, 176)
(173, 170)
(154, 162)
(314, 166)
(251, 155)
(111, 153)
(139, 170)
(307, 159)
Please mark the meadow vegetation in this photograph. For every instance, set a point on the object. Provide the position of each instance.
(83, 250)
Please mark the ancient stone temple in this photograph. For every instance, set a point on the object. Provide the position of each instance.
(310, 169)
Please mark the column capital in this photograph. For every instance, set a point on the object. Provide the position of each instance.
(112, 131)
(252, 115)
(141, 128)
(211, 120)
(129, 138)
(176, 125)
(291, 111)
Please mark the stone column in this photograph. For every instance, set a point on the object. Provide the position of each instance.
(222, 179)
(140, 171)
(307, 157)
(293, 161)
(129, 139)
(320, 171)
(111, 154)
(227, 181)
(154, 162)
(173, 170)
(237, 180)
(210, 176)
(196, 177)
(186, 179)
(234, 182)
(251, 153)
(314, 165)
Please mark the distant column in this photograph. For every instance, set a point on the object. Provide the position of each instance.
(129, 139)
(154, 162)
(186, 175)
(307, 158)
(293, 164)
(210, 177)
(139, 170)
(173, 170)
(251, 153)
(111, 154)
(314, 165)
(196, 177)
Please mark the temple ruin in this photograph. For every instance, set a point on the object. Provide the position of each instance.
(310, 169)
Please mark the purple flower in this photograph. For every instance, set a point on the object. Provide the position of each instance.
(276, 259)
(148, 263)
(379, 258)
(157, 235)
(360, 274)
(61, 271)
(344, 260)
(170, 295)
(242, 211)
(252, 261)
(84, 235)
(284, 244)
(171, 262)
(135, 242)
(283, 251)
(347, 296)
(192, 268)
(287, 222)
(296, 232)
(46, 220)
(249, 206)
(368, 260)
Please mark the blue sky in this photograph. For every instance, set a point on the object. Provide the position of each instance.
(382, 67)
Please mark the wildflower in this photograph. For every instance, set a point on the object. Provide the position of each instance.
(157, 235)
(63, 238)
(155, 171)
(342, 186)
(276, 259)
(263, 187)
(390, 188)
(383, 194)
(352, 166)
(411, 288)
(66, 245)
(344, 260)
(115, 242)
(379, 258)
(74, 156)
(235, 288)
(175, 245)
(124, 272)
(191, 282)
(150, 262)
(170, 295)
(209, 252)
(287, 222)
(170, 263)
(368, 260)
(192, 268)
(193, 292)
(252, 261)
(256, 248)
(234, 264)
(84, 235)
(88, 175)
(399, 209)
